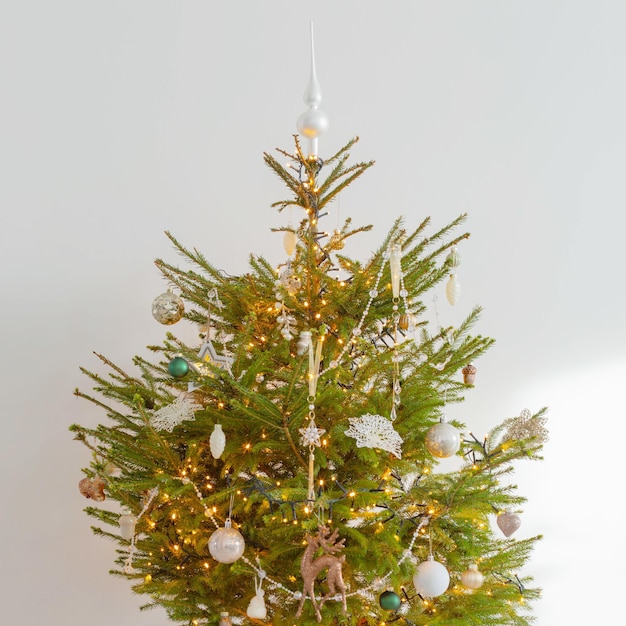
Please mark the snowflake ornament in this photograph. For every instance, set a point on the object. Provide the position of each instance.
(170, 416)
(375, 431)
(527, 427)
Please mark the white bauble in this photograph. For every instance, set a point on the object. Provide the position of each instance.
(227, 544)
(217, 441)
(168, 308)
(453, 289)
(472, 578)
(312, 123)
(443, 440)
(431, 578)
(127, 522)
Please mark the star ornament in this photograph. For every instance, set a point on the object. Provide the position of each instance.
(311, 435)
(208, 354)
(375, 431)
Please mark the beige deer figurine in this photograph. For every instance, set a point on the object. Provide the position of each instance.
(311, 567)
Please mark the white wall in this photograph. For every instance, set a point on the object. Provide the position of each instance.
(122, 119)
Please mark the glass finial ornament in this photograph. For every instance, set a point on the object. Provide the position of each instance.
(217, 441)
(178, 367)
(431, 578)
(227, 544)
(168, 308)
(389, 600)
(443, 440)
(472, 578)
(127, 522)
(508, 522)
(312, 123)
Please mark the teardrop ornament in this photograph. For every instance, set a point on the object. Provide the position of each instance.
(453, 290)
(289, 242)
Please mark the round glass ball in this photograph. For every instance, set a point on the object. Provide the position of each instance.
(389, 600)
(227, 544)
(443, 440)
(472, 578)
(168, 308)
(178, 367)
(431, 578)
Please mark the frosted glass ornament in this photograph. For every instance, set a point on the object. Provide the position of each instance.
(127, 522)
(508, 523)
(312, 123)
(431, 578)
(304, 341)
(168, 308)
(472, 578)
(227, 544)
(395, 268)
(443, 440)
(217, 441)
(453, 290)
(289, 242)
(454, 258)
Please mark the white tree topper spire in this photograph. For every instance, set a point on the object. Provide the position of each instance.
(312, 123)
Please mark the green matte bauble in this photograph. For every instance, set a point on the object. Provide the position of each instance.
(178, 367)
(389, 600)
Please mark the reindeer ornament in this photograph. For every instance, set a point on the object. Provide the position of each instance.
(311, 567)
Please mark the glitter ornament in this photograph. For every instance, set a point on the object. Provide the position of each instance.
(508, 523)
(168, 308)
(217, 441)
(226, 545)
(170, 416)
(389, 600)
(443, 440)
(526, 427)
(431, 578)
(127, 522)
(178, 367)
(472, 578)
(469, 374)
(375, 431)
(92, 488)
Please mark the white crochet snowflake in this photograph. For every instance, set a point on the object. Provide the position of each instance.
(170, 416)
(375, 431)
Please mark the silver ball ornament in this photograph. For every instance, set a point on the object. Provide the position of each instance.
(227, 544)
(443, 440)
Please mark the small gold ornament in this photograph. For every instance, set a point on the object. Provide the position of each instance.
(92, 488)
(469, 374)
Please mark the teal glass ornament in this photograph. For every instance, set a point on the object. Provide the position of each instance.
(389, 600)
(178, 367)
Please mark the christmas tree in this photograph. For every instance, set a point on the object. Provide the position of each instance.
(284, 470)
